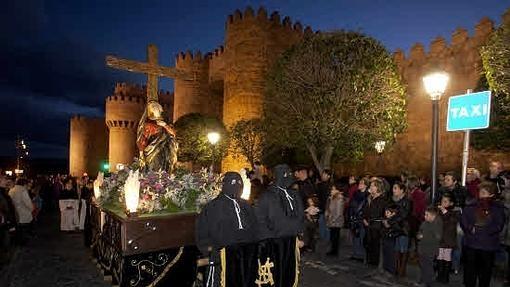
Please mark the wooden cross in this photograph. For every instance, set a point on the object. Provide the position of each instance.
(151, 68)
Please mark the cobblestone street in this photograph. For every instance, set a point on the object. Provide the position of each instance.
(52, 258)
(56, 259)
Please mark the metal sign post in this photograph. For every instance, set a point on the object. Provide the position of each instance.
(465, 152)
(465, 113)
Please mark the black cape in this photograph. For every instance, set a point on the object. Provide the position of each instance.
(218, 225)
(274, 217)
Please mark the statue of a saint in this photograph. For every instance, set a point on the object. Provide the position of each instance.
(156, 140)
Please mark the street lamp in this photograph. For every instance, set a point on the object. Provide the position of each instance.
(379, 146)
(435, 85)
(213, 138)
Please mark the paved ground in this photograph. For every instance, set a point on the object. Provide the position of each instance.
(56, 259)
(52, 258)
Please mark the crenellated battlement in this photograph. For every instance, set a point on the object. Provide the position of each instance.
(132, 93)
(460, 41)
(188, 58)
(261, 17)
(218, 52)
(81, 122)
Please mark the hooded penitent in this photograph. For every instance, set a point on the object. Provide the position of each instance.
(280, 209)
(227, 219)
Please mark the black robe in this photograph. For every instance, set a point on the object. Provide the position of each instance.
(218, 225)
(275, 216)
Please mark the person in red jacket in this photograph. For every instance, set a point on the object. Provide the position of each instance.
(419, 205)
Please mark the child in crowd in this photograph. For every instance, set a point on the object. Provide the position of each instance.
(430, 236)
(392, 229)
(449, 216)
(335, 217)
(311, 223)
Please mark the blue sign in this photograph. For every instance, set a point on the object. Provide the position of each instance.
(469, 111)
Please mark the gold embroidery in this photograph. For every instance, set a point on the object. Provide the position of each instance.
(265, 274)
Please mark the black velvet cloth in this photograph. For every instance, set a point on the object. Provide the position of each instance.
(241, 263)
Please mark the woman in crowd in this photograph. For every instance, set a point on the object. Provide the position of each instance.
(373, 215)
(417, 216)
(24, 207)
(355, 212)
(482, 221)
(401, 219)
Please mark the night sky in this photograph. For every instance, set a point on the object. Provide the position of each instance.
(52, 52)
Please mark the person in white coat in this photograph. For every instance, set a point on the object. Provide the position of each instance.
(24, 206)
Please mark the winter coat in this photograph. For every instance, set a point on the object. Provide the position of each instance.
(373, 212)
(482, 222)
(306, 189)
(356, 206)
(472, 188)
(394, 228)
(335, 211)
(450, 221)
(323, 190)
(353, 188)
(459, 194)
(404, 211)
(419, 204)
(431, 232)
(22, 203)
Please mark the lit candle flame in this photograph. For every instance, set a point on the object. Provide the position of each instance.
(132, 191)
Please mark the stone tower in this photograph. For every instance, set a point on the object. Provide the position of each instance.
(123, 110)
(190, 96)
(88, 145)
(252, 44)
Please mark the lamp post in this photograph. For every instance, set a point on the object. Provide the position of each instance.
(213, 138)
(379, 148)
(435, 85)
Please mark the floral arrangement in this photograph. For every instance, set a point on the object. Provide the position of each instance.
(162, 192)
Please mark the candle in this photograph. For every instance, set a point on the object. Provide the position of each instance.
(132, 191)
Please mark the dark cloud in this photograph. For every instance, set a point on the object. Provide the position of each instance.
(45, 79)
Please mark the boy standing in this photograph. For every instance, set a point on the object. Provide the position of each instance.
(430, 237)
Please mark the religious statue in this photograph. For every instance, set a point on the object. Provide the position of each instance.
(156, 140)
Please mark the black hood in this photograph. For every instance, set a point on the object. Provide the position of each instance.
(283, 176)
(232, 184)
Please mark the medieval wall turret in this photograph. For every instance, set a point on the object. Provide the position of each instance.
(192, 96)
(88, 144)
(216, 80)
(123, 111)
(253, 42)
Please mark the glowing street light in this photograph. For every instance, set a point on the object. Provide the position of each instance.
(435, 85)
(213, 137)
(379, 146)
